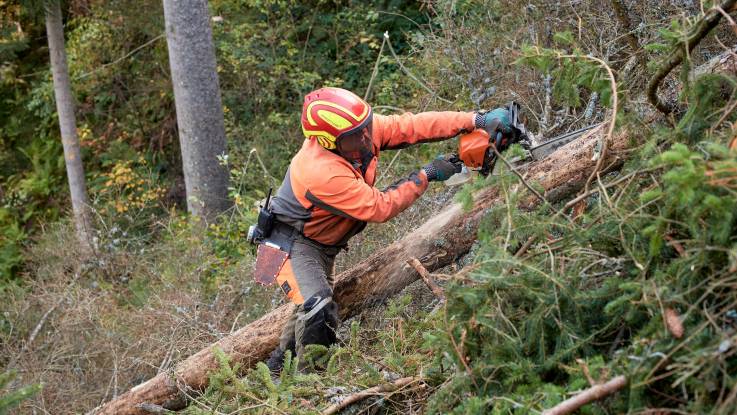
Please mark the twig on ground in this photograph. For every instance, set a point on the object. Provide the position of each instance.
(427, 278)
(376, 390)
(33, 335)
(728, 17)
(591, 394)
(525, 247)
(40, 324)
(459, 352)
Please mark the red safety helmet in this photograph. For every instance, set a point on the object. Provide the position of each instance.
(339, 120)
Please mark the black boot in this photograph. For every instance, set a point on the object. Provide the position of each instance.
(276, 361)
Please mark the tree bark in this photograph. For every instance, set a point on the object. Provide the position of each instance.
(437, 243)
(198, 105)
(68, 125)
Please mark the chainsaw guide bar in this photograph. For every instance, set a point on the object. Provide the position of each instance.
(543, 150)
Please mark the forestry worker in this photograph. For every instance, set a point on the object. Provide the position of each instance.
(328, 196)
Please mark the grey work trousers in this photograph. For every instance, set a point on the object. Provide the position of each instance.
(316, 319)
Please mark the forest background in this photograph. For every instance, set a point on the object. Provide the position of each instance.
(76, 333)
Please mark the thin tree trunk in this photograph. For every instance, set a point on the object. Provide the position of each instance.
(198, 105)
(437, 243)
(67, 125)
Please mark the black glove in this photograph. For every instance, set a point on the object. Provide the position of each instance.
(441, 169)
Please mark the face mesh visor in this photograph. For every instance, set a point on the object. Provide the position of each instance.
(354, 145)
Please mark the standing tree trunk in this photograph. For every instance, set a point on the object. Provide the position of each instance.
(68, 125)
(198, 105)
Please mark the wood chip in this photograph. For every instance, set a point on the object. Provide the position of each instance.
(673, 323)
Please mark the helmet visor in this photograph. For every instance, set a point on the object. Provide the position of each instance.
(355, 145)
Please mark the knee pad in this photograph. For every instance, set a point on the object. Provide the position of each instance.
(319, 317)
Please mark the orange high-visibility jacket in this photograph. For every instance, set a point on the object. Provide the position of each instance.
(329, 199)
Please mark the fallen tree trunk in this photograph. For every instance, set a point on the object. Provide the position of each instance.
(437, 243)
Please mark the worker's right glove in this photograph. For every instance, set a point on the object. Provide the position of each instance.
(441, 169)
(499, 126)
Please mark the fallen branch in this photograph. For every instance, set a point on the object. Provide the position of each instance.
(376, 390)
(427, 278)
(591, 394)
(33, 335)
(703, 27)
(36, 330)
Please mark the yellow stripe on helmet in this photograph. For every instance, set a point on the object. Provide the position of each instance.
(358, 118)
(334, 119)
(325, 139)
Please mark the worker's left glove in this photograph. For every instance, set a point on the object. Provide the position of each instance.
(441, 169)
(498, 124)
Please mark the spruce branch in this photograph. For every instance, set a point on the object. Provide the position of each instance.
(703, 27)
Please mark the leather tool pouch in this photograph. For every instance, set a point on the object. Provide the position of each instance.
(272, 253)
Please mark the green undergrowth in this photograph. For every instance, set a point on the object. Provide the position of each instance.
(365, 357)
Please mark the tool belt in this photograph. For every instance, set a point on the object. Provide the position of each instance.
(274, 249)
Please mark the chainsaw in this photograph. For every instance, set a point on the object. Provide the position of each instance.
(477, 155)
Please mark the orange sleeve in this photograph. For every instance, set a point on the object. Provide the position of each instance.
(351, 197)
(399, 131)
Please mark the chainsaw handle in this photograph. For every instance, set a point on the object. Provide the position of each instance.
(498, 140)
